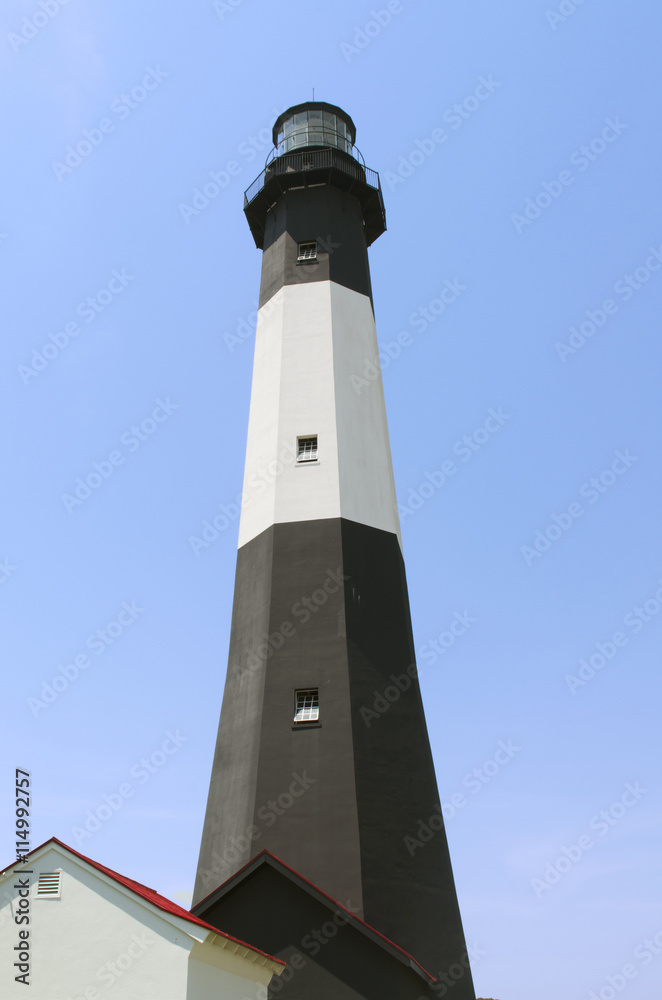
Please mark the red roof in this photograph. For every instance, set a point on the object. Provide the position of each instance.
(151, 895)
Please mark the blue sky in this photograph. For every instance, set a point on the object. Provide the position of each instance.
(518, 147)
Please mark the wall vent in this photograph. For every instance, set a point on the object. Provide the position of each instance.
(48, 886)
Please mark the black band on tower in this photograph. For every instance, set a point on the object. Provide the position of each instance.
(333, 223)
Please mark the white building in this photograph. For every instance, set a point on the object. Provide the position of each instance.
(93, 934)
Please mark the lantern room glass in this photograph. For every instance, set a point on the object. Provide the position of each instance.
(313, 128)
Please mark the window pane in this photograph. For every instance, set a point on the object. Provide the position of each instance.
(307, 447)
(307, 706)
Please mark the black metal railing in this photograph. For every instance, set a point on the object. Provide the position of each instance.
(312, 159)
(344, 146)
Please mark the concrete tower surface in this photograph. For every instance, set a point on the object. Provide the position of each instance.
(323, 770)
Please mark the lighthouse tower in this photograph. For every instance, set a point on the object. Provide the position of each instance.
(323, 772)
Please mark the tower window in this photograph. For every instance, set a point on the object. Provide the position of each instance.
(48, 886)
(307, 251)
(307, 705)
(307, 449)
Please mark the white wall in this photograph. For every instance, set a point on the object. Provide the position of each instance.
(215, 974)
(97, 943)
(310, 340)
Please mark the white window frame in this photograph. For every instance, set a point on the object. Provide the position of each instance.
(306, 705)
(307, 251)
(302, 458)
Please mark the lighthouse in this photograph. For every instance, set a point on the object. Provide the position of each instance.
(323, 776)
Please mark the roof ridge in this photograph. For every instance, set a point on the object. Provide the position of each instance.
(152, 896)
(268, 854)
